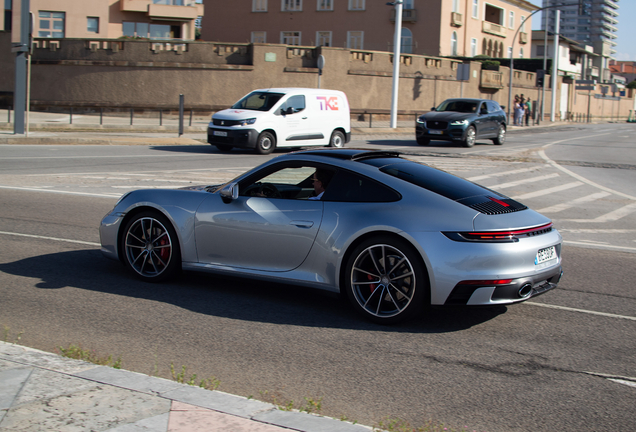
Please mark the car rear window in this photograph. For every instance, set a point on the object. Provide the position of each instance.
(437, 181)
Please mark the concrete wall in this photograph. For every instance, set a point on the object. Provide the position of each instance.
(144, 74)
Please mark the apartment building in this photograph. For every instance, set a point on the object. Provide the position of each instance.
(590, 22)
(429, 27)
(110, 19)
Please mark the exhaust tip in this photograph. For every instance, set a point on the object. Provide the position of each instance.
(525, 290)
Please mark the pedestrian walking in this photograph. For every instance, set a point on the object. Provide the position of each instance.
(518, 111)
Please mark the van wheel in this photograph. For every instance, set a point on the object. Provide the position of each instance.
(337, 139)
(265, 143)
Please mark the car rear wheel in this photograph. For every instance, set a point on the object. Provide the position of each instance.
(501, 136)
(337, 139)
(469, 141)
(265, 143)
(384, 280)
(423, 141)
(150, 247)
(224, 147)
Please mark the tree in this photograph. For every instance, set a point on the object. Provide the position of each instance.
(632, 85)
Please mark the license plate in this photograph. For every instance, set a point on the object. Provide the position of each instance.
(436, 132)
(220, 133)
(545, 255)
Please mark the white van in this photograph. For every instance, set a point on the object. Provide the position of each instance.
(283, 117)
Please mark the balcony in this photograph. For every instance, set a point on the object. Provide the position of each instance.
(172, 10)
(491, 79)
(408, 15)
(457, 19)
(493, 29)
(523, 37)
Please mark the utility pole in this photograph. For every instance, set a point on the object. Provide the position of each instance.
(555, 63)
(396, 59)
(20, 46)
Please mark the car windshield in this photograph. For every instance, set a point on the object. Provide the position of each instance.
(258, 101)
(461, 106)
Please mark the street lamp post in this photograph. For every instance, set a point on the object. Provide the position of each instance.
(512, 50)
(396, 59)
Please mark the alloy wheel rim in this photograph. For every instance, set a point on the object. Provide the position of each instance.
(470, 137)
(383, 281)
(148, 247)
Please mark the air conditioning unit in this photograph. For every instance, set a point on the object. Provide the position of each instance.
(456, 19)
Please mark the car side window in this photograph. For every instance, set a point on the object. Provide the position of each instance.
(347, 186)
(483, 109)
(294, 104)
(492, 106)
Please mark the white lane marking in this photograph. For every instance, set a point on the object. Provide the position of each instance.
(519, 182)
(141, 173)
(50, 238)
(620, 381)
(609, 217)
(564, 206)
(597, 231)
(579, 177)
(61, 192)
(569, 309)
(549, 190)
(486, 176)
(601, 246)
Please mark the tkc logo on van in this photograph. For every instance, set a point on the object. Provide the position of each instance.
(328, 103)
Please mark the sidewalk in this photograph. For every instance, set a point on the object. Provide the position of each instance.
(46, 392)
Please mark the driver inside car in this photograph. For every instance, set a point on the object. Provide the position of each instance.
(320, 181)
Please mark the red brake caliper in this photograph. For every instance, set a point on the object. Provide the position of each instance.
(372, 286)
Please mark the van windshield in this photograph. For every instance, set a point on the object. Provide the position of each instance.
(258, 101)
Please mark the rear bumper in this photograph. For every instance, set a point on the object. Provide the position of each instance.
(517, 290)
(240, 138)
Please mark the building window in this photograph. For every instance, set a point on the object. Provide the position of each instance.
(170, 2)
(475, 8)
(355, 39)
(523, 26)
(323, 38)
(509, 51)
(454, 44)
(51, 24)
(540, 50)
(160, 31)
(356, 5)
(325, 5)
(292, 5)
(259, 5)
(136, 30)
(511, 20)
(473, 47)
(406, 45)
(290, 38)
(455, 5)
(259, 37)
(92, 24)
(521, 53)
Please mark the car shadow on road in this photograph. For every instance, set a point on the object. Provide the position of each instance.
(225, 297)
(435, 144)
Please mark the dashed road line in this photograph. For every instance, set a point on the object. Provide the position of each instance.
(61, 192)
(569, 309)
(548, 191)
(50, 238)
(564, 206)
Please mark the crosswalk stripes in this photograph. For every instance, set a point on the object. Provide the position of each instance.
(548, 191)
(583, 200)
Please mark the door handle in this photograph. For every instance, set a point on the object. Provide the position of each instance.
(304, 118)
(302, 224)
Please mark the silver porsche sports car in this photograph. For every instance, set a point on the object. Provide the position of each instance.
(391, 234)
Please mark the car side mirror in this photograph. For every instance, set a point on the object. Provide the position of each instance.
(230, 192)
(503, 107)
(433, 109)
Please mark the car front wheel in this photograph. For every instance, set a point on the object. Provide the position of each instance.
(265, 143)
(501, 136)
(384, 280)
(150, 247)
(469, 141)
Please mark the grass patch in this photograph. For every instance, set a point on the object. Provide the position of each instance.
(209, 384)
(78, 353)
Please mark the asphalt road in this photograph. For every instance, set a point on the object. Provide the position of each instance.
(562, 361)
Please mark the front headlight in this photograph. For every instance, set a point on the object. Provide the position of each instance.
(421, 120)
(460, 123)
(247, 121)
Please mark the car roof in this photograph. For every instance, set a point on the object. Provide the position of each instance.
(349, 154)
